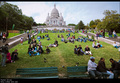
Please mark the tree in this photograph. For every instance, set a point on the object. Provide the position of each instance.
(111, 21)
(92, 24)
(11, 14)
(80, 25)
(71, 24)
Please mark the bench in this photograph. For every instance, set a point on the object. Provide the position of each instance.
(37, 73)
(81, 71)
(77, 71)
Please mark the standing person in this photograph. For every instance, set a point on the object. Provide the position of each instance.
(110, 33)
(7, 34)
(4, 37)
(21, 41)
(92, 69)
(4, 54)
(114, 33)
(102, 68)
(115, 68)
(29, 38)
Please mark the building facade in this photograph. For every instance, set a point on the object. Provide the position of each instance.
(55, 19)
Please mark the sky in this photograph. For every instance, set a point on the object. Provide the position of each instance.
(72, 12)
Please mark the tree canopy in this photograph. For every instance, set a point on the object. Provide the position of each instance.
(11, 14)
(111, 21)
(80, 25)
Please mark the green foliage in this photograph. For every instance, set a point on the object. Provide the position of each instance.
(80, 25)
(71, 24)
(92, 37)
(111, 21)
(11, 14)
(59, 56)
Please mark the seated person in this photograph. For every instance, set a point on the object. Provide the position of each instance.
(80, 50)
(115, 45)
(14, 56)
(30, 50)
(8, 58)
(43, 37)
(87, 51)
(48, 38)
(76, 50)
(40, 50)
(93, 45)
(62, 39)
(47, 50)
(33, 41)
(58, 36)
(98, 44)
(34, 47)
(56, 42)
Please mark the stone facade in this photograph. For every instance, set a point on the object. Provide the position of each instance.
(55, 19)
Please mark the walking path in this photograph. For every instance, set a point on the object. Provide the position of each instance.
(15, 40)
(107, 40)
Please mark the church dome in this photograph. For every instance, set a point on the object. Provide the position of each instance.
(47, 19)
(55, 12)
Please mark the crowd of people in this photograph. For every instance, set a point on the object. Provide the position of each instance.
(6, 55)
(100, 70)
(37, 49)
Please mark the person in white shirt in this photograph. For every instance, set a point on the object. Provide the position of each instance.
(115, 45)
(92, 69)
(114, 33)
(93, 45)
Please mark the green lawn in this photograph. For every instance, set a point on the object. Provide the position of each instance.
(59, 56)
(13, 34)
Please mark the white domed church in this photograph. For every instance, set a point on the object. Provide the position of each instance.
(55, 19)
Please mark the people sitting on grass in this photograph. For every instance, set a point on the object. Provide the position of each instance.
(115, 45)
(93, 45)
(87, 51)
(80, 50)
(30, 50)
(98, 45)
(76, 50)
(56, 42)
(58, 36)
(92, 69)
(115, 68)
(8, 58)
(48, 38)
(47, 50)
(40, 50)
(62, 39)
(14, 56)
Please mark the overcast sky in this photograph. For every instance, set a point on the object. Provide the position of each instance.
(72, 12)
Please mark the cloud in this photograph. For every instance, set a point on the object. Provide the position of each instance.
(72, 12)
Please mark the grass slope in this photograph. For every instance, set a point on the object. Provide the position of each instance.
(63, 55)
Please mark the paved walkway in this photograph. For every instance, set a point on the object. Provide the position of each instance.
(107, 40)
(15, 40)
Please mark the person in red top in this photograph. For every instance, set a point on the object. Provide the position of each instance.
(8, 58)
